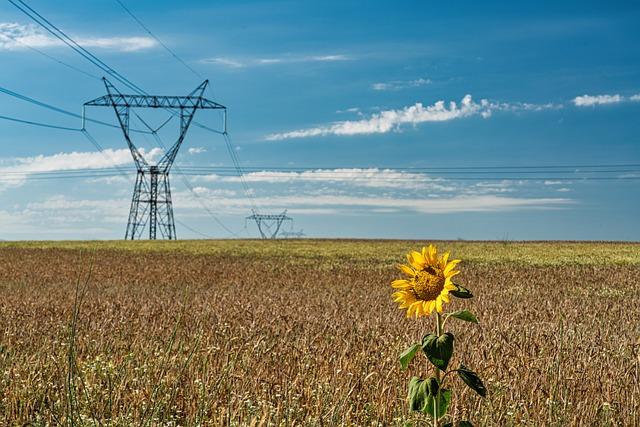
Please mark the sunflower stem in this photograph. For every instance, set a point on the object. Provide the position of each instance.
(435, 400)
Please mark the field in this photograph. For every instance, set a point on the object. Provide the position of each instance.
(305, 333)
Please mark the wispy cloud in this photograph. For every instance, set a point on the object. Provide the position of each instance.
(393, 120)
(358, 177)
(15, 36)
(243, 62)
(196, 150)
(389, 120)
(591, 100)
(15, 171)
(355, 110)
(348, 203)
(400, 84)
(227, 62)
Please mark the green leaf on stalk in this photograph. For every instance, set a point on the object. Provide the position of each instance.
(465, 315)
(441, 401)
(433, 385)
(461, 292)
(472, 379)
(418, 394)
(407, 356)
(438, 349)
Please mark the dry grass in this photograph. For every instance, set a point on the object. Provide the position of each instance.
(303, 333)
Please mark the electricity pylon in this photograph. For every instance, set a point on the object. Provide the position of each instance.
(266, 223)
(151, 201)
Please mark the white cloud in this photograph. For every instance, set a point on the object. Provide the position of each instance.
(224, 61)
(242, 62)
(197, 150)
(113, 180)
(15, 171)
(14, 36)
(370, 178)
(355, 110)
(591, 100)
(342, 203)
(389, 120)
(635, 98)
(329, 58)
(400, 84)
(392, 120)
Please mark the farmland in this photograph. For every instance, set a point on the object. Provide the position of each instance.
(304, 332)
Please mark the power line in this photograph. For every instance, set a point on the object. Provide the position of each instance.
(346, 169)
(72, 67)
(236, 162)
(60, 35)
(112, 171)
(53, 108)
(171, 52)
(39, 124)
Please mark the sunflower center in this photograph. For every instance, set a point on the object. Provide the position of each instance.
(428, 283)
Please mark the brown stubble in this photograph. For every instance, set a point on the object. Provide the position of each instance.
(291, 341)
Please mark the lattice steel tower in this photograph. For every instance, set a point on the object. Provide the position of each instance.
(151, 201)
(269, 225)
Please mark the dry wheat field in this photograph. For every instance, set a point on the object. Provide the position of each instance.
(305, 332)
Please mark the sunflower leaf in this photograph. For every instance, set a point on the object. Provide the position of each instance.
(465, 315)
(441, 401)
(472, 379)
(418, 394)
(438, 349)
(461, 292)
(407, 356)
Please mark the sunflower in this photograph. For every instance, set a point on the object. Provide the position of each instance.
(428, 284)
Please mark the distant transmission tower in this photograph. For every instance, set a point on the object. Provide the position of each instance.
(269, 225)
(151, 201)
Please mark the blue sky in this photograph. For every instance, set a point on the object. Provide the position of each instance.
(371, 99)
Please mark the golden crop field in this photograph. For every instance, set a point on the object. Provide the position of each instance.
(304, 332)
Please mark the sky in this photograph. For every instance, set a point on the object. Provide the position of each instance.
(407, 119)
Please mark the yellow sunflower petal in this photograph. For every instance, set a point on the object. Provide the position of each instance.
(432, 304)
(425, 308)
(397, 296)
(433, 254)
(416, 260)
(419, 309)
(407, 270)
(445, 297)
(402, 296)
(451, 273)
(450, 265)
(412, 308)
(401, 284)
(443, 260)
(439, 304)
